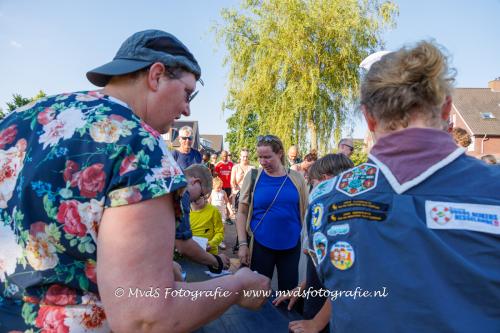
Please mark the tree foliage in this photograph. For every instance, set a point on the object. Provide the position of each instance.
(18, 101)
(294, 66)
(359, 154)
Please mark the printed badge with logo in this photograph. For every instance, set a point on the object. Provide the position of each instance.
(357, 209)
(316, 216)
(342, 255)
(320, 244)
(322, 188)
(360, 179)
(454, 215)
(336, 230)
(358, 214)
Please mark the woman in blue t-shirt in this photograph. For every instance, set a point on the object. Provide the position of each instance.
(272, 205)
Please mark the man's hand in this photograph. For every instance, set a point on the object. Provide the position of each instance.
(253, 281)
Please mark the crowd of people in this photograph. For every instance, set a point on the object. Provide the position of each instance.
(94, 203)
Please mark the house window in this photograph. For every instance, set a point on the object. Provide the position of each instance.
(487, 115)
(472, 144)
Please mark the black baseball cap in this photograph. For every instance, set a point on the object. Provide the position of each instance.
(143, 49)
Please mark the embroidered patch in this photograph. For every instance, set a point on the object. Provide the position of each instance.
(453, 215)
(341, 229)
(359, 203)
(320, 244)
(360, 179)
(358, 214)
(342, 255)
(316, 216)
(322, 189)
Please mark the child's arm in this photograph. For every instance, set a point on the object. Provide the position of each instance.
(316, 324)
(218, 230)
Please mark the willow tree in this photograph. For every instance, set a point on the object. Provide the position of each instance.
(294, 65)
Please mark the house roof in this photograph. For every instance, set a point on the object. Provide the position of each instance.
(217, 141)
(471, 102)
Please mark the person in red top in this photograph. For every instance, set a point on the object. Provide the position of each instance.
(223, 170)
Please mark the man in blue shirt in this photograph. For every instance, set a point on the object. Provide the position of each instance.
(186, 155)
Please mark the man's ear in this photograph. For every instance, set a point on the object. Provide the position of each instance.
(156, 71)
(370, 120)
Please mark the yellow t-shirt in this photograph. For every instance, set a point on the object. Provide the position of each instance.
(207, 222)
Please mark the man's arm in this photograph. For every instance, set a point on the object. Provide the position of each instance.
(234, 186)
(135, 250)
(192, 251)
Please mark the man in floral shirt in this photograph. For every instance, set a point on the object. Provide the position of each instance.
(88, 171)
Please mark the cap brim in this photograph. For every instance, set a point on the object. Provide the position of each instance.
(100, 76)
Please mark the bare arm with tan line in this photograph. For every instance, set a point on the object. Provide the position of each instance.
(135, 249)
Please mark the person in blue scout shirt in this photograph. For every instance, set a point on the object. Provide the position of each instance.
(413, 235)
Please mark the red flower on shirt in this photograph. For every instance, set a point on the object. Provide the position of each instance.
(90, 270)
(51, 319)
(8, 135)
(71, 173)
(129, 163)
(46, 116)
(59, 295)
(69, 216)
(91, 180)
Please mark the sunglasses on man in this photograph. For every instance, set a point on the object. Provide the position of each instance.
(190, 138)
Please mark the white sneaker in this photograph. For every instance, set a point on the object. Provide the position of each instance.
(222, 246)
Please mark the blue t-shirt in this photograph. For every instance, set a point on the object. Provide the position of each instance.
(185, 160)
(280, 229)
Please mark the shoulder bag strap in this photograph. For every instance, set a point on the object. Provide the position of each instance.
(272, 202)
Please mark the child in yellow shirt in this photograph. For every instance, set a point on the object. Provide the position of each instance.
(206, 222)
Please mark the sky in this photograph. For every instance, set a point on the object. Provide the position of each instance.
(50, 45)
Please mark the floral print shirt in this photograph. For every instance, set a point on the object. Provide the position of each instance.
(63, 160)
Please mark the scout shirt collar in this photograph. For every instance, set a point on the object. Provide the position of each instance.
(408, 157)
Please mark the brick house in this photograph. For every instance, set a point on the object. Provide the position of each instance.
(477, 110)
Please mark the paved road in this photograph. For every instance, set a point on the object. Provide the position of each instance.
(230, 240)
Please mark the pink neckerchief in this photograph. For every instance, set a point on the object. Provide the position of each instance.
(408, 157)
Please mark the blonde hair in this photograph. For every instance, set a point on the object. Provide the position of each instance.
(217, 182)
(202, 173)
(409, 82)
(461, 137)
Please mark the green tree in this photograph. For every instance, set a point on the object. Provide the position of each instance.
(243, 139)
(294, 65)
(359, 155)
(18, 101)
